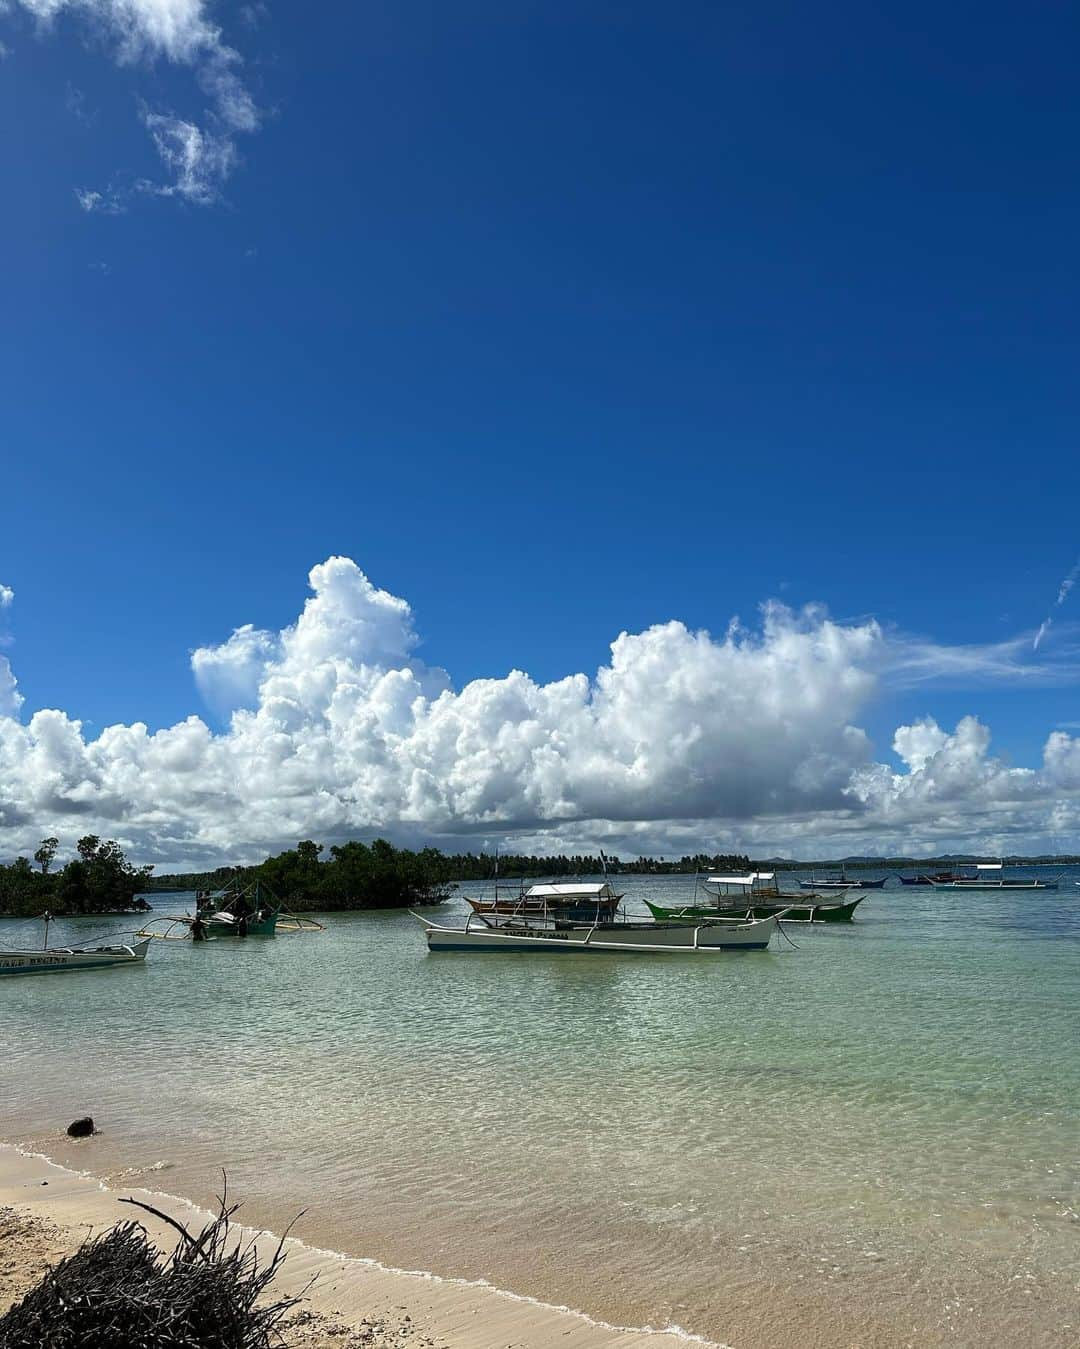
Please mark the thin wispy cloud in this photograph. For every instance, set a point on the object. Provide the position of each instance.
(199, 153)
(109, 202)
(1068, 583)
(911, 660)
(198, 160)
(1063, 594)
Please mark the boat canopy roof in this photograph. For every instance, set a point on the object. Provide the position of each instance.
(741, 880)
(570, 892)
(988, 866)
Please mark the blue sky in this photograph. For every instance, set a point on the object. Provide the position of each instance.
(559, 320)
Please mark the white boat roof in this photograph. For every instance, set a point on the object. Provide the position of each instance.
(988, 866)
(735, 880)
(570, 892)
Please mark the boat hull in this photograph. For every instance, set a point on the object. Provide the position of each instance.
(577, 912)
(990, 887)
(644, 937)
(843, 885)
(224, 926)
(59, 961)
(797, 911)
(927, 881)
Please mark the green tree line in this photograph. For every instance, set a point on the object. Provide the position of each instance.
(99, 879)
(377, 875)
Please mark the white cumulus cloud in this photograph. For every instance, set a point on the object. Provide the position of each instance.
(10, 697)
(7, 595)
(680, 740)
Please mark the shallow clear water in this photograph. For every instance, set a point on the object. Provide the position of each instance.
(886, 1116)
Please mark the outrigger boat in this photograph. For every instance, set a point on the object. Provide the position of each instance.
(235, 911)
(926, 879)
(484, 932)
(840, 880)
(238, 911)
(57, 959)
(740, 896)
(756, 896)
(579, 903)
(985, 879)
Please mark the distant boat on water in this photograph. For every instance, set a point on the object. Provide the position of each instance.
(840, 880)
(991, 876)
(937, 878)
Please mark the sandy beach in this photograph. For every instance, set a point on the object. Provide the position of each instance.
(47, 1210)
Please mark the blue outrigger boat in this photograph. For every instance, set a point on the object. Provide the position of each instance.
(927, 879)
(840, 880)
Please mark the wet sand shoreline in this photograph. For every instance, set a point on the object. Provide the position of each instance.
(48, 1210)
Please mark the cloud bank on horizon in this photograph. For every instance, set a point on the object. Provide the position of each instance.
(199, 158)
(681, 742)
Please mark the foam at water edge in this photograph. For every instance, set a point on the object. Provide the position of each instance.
(205, 1215)
(56, 1166)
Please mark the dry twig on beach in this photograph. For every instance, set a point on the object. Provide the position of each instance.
(116, 1292)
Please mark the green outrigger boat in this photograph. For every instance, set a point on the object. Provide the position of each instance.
(757, 896)
(235, 911)
(238, 911)
(826, 911)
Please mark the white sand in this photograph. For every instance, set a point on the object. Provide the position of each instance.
(354, 1301)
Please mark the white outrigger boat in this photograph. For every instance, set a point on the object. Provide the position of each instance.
(991, 876)
(56, 959)
(484, 932)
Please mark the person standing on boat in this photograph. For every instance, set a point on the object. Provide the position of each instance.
(242, 912)
(240, 908)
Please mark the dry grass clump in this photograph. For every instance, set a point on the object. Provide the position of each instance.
(116, 1292)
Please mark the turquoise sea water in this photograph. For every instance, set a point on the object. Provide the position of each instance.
(881, 1123)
